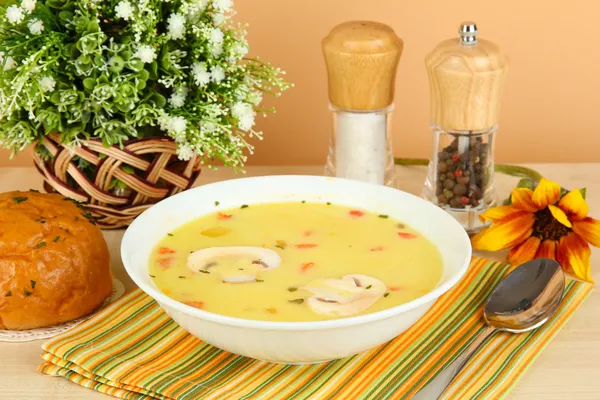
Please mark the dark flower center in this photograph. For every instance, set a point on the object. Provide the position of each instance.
(546, 227)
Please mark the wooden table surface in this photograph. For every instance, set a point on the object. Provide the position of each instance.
(569, 368)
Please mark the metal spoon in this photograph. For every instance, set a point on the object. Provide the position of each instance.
(524, 300)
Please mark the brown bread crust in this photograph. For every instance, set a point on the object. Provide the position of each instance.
(54, 263)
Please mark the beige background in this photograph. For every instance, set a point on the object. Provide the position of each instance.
(551, 106)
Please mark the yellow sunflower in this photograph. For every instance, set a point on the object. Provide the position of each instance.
(541, 224)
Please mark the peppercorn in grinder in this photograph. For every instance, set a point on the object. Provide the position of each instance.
(466, 80)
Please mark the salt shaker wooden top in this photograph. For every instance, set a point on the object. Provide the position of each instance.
(466, 77)
(361, 59)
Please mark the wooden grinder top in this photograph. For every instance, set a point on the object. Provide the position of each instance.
(361, 59)
(466, 77)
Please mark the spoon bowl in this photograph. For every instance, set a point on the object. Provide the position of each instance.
(523, 300)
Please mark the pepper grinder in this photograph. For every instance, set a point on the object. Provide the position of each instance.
(466, 80)
(361, 58)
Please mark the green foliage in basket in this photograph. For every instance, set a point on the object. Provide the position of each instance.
(122, 69)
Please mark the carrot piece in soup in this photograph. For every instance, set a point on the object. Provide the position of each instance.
(195, 304)
(165, 262)
(306, 246)
(356, 213)
(379, 248)
(165, 250)
(222, 216)
(406, 235)
(306, 266)
(308, 233)
(395, 288)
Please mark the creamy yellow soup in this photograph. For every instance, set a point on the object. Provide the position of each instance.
(332, 262)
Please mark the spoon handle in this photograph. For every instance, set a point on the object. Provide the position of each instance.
(434, 389)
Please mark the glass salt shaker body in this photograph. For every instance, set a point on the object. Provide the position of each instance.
(360, 146)
(466, 80)
(361, 100)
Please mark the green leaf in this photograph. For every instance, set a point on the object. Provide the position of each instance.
(158, 99)
(141, 85)
(128, 168)
(89, 84)
(583, 192)
(93, 27)
(144, 75)
(154, 70)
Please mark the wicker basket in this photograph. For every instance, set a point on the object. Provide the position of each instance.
(160, 174)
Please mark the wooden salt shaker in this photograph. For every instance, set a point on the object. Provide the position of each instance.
(362, 59)
(466, 77)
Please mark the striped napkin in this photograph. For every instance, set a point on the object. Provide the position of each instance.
(133, 350)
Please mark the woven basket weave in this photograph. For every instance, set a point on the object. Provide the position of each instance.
(161, 174)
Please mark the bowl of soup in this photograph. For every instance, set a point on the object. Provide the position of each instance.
(295, 269)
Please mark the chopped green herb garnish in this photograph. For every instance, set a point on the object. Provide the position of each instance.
(369, 287)
(32, 284)
(401, 226)
(296, 301)
(8, 294)
(328, 203)
(204, 272)
(292, 289)
(19, 199)
(383, 216)
(217, 203)
(42, 244)
(40, 219)
(34, 190)
(259, 280)
(241, 269)
(27, 292)
(56, 239)
(169, 234)
(152, 276)
(303, 201)
(280, 247)
(181, 277)
(76, 218)
(244, 206)
(386, 295)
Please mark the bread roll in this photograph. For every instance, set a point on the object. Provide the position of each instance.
(54, 262)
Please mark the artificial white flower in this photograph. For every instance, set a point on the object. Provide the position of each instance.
(254, 97)
(218, 19)
(10, 63)
(124, 10)
(201, 74)
(201, 4)
(28, 5)
(244, 113)
(208, 127)
(246, 122)
(217, 50)
(223, 5)
(177, 124)
(216, 36)
(217, 74)
(35, 26)
(176, 26)
(178, 97)
(238, 50)
(14, 14)
(164, 121)
(146, 53)
(47, 84)
(185, 152)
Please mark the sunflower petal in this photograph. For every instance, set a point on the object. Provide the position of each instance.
(574, 255)
(560, 216)
(510, 231)
(523, 198)
(574, 205)
(496, 214)
(546, 193)
(589, 230)
(524, 252)
(547, 249)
